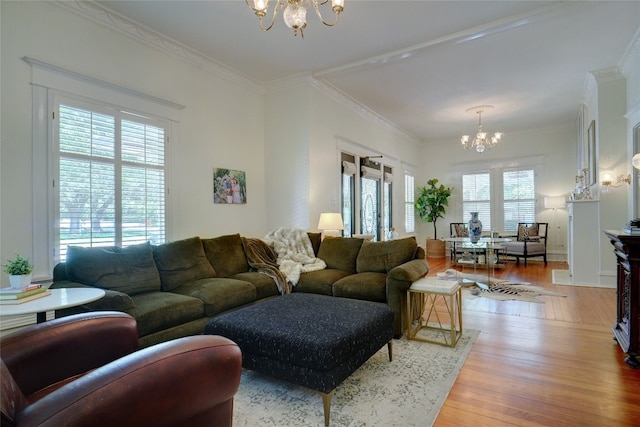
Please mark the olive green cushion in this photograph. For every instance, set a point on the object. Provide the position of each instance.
(316, 240)
(319, 282)
(265, 286)
(366, 286)
(381, 257)
(226, 255)
(219, 294)
(129, 270)
(156, 311)
(181, 262)
(340, 253)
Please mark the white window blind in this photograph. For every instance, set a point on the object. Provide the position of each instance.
(519, 195)
(409, 204)
(111, 177)
(476, 197)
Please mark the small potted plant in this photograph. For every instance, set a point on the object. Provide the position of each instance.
(19, 270)
(430, 205)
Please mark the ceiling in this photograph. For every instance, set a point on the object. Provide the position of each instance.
(419, 64)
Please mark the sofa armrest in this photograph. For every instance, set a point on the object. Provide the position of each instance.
(409, 271)
(111, 301)
(399, 279)
(189, 381)
(44, 354)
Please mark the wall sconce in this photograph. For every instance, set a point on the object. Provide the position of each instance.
(606, 178)
(330, 224)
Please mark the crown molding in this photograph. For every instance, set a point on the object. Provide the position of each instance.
(631, 56)
(360, 109)
(137, 31)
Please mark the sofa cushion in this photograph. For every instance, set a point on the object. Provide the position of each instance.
(219, 294)
(366, 286)
(381, 257)
(319, 282)
(340, 253)
(265, 285)
(130, 270)
(226, 255)
(181, 262)
(157, 311)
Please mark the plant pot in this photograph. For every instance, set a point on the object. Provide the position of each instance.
(19, 281)
(436, 248)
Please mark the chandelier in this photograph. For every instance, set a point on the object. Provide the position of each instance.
(481, 142)
(295, 12)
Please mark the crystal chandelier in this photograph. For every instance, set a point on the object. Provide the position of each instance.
(295, 12)
(481, 142)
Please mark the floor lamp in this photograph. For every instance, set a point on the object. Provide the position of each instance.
(555, 203)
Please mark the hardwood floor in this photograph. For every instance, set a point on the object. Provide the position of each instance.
(551, 364)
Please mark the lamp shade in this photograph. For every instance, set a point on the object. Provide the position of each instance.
(330, 221)
(554, 202)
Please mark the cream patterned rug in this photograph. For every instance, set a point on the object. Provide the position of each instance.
(406, 392)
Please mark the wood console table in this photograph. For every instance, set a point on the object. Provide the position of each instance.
(627, 328)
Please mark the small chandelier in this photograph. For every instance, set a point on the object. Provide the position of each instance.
(295, 12)
(481, 142)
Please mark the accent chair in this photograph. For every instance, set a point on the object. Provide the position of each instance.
(531, 242)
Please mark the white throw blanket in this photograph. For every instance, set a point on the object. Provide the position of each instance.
(295, 253)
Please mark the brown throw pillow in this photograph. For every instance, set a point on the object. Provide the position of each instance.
(461, 230)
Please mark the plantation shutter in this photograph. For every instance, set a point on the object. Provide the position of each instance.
(519, 198)
(111, 185)
(409, 204)
(476, 197)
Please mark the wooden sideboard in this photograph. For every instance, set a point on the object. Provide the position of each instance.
(627, 328)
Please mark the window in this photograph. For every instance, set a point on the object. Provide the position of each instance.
(476, 197)
(370, 198)
(502, 197)
(519, 195)
(110, 177)
(348, 194)
(409, 203)
(387, 194)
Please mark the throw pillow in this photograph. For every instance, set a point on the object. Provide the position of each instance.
(340, 253)
(226, 255)
(181, 262)
(461, 230)
(525, 232)
(381, 257)
(129, 270)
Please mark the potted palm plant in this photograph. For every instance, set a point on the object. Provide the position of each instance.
(430, 205)
(19, 270)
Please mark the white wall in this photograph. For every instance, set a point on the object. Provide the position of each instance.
(444, 159)
(221, 126)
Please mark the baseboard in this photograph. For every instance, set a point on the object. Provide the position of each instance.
(564, 278)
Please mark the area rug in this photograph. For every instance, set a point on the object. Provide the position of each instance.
(408, 391)
(479, 285)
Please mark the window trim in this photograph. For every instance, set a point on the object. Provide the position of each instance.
(47, 80)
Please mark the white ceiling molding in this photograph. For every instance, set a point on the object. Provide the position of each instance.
(632, 55)
(362, 110)
(139, 32)
(607, 74)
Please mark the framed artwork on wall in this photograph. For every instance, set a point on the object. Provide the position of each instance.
(229, 186)
(592, 155)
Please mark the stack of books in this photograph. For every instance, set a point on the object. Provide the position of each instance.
(632, 227)
(20, 295)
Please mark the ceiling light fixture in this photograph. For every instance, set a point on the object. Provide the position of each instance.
(481, 142)
(295, 12)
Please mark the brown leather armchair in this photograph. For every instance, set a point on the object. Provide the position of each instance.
(84, 370)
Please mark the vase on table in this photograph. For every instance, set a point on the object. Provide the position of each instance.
(475, 228)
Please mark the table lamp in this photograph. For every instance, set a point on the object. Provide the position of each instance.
(330, 224)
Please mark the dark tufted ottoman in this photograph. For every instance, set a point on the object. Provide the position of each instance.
(316, 341)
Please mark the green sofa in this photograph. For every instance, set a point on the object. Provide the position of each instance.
(173, 289)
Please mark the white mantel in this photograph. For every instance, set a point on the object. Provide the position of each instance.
(584, 241)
